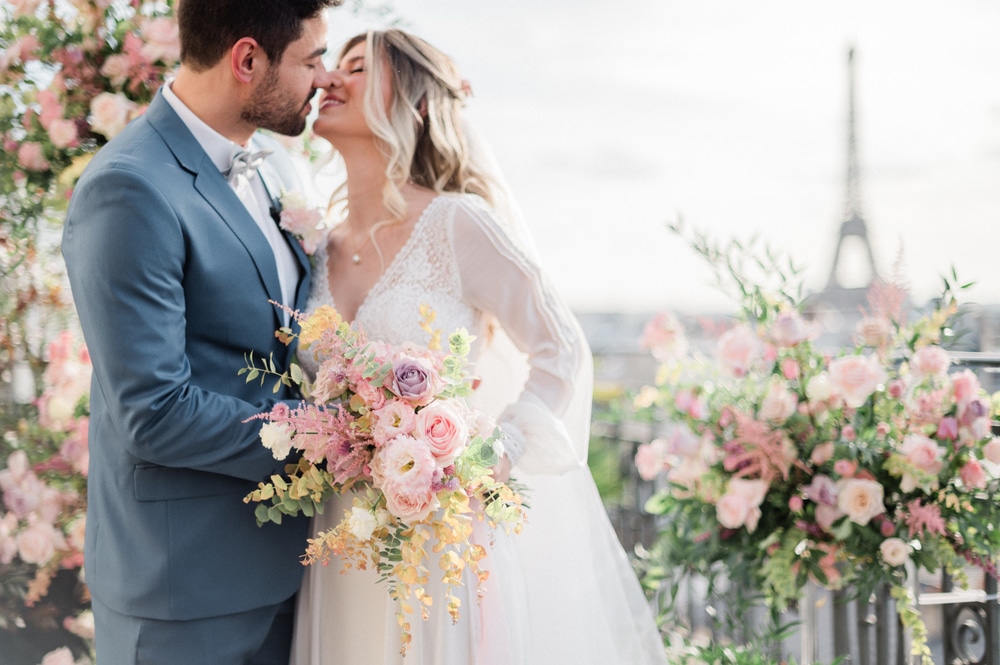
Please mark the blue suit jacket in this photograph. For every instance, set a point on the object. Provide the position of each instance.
(171, 278)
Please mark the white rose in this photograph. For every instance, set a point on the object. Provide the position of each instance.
(819, 388)
(277, 437)
(778, 404)
(895, 551)
(860, 500)
(362, 523)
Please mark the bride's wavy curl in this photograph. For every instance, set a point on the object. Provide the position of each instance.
(421, 134)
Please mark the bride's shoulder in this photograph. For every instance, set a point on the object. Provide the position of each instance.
(466, 207)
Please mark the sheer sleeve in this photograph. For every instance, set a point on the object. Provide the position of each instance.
(547, 425)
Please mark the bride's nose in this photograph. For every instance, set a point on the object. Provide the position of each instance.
(331, 79)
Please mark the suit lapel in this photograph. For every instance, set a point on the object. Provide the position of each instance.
(214, 188)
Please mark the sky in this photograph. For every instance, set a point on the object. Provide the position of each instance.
(613, 118)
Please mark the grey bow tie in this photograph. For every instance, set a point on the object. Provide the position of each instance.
(246, 162)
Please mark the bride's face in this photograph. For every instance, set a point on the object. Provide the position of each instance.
(342, 106)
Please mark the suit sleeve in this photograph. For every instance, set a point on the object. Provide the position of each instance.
(126, 253)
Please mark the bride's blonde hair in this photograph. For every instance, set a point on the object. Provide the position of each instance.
(421, 133)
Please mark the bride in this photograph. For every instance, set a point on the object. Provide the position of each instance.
(426, 223)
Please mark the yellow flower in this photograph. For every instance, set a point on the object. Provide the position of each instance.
(324, 318)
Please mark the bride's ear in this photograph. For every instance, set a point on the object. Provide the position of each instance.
(245, 59)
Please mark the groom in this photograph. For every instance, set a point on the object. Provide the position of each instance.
(172, 256)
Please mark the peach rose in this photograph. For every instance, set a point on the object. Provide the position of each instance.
(60, 656)
(109, 113)
(778, 404)
(860, 500)
(855, 378)
(441, 425)
(116, 68)
(965, 385)
(740, 505)
(409, 506)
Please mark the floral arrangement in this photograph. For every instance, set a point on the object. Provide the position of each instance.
(791, 463)
(43, 513)
(388, 423)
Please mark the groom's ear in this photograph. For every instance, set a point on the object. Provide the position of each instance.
(245, 59)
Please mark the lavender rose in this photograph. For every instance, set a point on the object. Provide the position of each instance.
(414, 380)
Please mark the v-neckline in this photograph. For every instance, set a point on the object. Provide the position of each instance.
(389, 268)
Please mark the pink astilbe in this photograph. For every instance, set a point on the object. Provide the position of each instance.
(756, 451)
(922, 519)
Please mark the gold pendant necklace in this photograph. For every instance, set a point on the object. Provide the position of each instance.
(356, 254)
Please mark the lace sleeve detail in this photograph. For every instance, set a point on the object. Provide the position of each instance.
(498, 277)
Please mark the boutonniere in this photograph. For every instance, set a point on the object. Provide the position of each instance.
(305, 222)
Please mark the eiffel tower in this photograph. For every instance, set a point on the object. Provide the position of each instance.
(838, 306)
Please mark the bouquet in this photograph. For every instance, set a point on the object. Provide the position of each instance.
(389, 424)
(793, 463)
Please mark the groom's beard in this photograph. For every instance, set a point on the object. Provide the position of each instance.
(274, 109)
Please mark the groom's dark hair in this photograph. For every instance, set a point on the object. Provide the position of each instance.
(209, 28)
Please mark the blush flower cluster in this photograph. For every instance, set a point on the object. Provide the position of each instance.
(390, 425)
(43, 507)
(841, 467)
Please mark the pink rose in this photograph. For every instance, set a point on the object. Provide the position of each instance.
(62, 133)
(664, 336)
(973, 476)
(848, 433)
(737, 349)
(740, 505)
(795, 504)
(445, 431)
(923, 453)
(992, 451)
(790, 368)
(947, 429)
(822, 453)
(414, 379)
(116, 68)
(109, 113)
(895, 551)
(791, 329)
(24, 7)
(38, 543)
(394, 419)
(930, 361)
(845, 467)
(162, 40)
(31, 156)
(650, 458)
(860, 500)
(827, 515)
(683, 442)
(896, 388)
(886, 528)
(965, 385)
(855, 378)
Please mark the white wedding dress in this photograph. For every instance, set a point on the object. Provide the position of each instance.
(562, 591)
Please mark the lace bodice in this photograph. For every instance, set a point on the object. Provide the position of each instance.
(423, 272)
